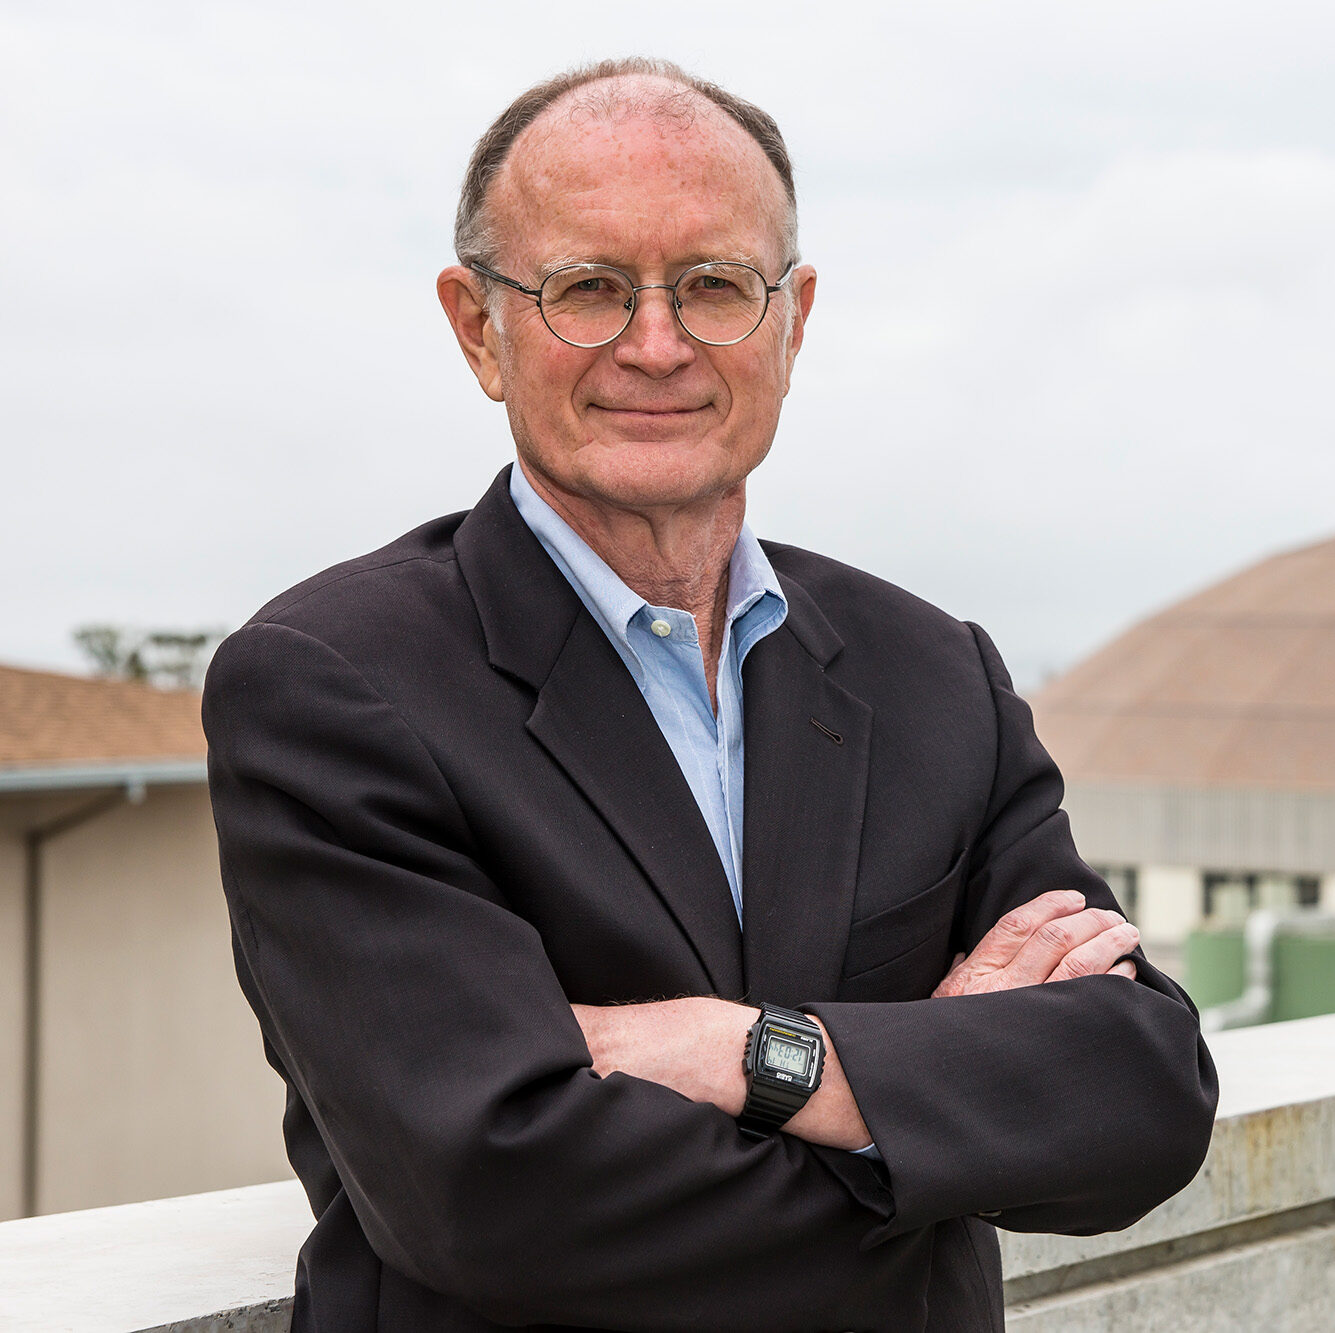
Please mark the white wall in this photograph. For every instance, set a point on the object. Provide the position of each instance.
(1168, 903)
(152, 1080)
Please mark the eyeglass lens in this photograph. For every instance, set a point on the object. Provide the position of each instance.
(588, 304)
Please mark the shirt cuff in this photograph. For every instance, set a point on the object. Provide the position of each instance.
(871, 1151)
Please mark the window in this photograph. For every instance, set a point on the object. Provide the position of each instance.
(1228, 896)
(1123, 882)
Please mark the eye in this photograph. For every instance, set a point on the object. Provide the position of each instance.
(716, 283)
(585, 284)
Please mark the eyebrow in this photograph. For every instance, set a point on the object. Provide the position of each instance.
(550, 266)
(545, 270)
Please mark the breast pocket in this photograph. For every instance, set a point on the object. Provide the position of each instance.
(904, 949)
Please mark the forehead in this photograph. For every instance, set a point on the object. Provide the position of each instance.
(638, 189)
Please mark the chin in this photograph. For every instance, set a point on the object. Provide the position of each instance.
(652, 473)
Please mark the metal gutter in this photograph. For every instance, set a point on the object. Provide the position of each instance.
(126, 773)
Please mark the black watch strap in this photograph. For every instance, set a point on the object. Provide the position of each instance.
(769, 1102)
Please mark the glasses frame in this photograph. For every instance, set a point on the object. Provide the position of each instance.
(536, 294)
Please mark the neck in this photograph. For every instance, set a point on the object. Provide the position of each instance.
(672, 555)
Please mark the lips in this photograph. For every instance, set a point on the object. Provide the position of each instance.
(649, 411)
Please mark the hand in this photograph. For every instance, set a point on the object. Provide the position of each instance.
(1053, 938)
(694, 1046)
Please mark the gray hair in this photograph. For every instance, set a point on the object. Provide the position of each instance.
(475, 238)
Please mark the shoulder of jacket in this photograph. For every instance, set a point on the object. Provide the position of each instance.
(352, 585)
(844, 592)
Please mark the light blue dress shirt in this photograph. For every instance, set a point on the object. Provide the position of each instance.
(661, 650)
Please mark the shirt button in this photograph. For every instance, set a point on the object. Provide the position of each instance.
(661, 628)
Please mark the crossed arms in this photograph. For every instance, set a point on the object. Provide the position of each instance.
(693, 1045)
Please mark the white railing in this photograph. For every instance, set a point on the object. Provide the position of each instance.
(1249, 1245)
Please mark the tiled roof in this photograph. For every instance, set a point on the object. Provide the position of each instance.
(1234, 686)
(48, 719)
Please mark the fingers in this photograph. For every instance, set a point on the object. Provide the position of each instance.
(999, 947)
(1052, 938)
(1098, 955)
(1074, 937)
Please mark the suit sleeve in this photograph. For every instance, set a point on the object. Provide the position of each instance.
(422, 1025)
(1075, 1106)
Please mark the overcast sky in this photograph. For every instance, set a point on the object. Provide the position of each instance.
(1071, 355)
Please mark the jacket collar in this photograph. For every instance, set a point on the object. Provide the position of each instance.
(525, 605)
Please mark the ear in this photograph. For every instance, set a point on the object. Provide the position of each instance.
(803, 285)
(460, 294)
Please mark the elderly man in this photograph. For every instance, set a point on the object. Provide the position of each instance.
(655, 929)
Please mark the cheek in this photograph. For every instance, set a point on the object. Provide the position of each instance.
(543, 382)
(755, 383)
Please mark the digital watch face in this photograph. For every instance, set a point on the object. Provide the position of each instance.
(788, 1057)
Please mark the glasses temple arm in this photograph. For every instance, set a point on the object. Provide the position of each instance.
(491, 273)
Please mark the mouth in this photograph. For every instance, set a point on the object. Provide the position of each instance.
(661, 423)
(649, 425)
(628, 411)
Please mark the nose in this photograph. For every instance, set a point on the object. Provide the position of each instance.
(654, 340)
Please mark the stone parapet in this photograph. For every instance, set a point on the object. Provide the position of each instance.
(1249, 1245)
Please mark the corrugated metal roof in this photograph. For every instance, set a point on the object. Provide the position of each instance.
(1234, 686)
(48, 719)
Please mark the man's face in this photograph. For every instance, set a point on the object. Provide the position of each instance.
(653, 418)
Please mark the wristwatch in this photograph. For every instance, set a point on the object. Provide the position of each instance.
(784, 1055)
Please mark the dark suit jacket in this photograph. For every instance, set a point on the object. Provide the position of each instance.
(445, 813)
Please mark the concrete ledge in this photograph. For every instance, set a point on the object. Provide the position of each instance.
(1281, 1285)
(196, 1264)
(1260, 1215)
(1249, 1245)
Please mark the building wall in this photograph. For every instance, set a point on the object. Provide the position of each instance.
(1168, 840)
(1223, 828)
(11, 1025)
(1169, 903)
(152, 1078)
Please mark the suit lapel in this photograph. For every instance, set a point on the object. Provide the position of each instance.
(591, 718)
(594, 722)
(808, 745)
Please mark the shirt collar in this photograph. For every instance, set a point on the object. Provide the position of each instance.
(612, 604)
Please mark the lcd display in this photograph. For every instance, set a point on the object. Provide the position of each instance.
(787, 1055)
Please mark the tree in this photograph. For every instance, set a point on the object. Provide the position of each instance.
(170, 659)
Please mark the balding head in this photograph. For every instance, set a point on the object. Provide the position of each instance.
(631, 177)
(654, 90)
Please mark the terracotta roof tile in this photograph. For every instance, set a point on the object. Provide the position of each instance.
(48, 719)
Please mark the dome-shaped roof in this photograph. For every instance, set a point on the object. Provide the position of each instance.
(1234, 687)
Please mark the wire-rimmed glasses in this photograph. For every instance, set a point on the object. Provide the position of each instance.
(590, 305)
